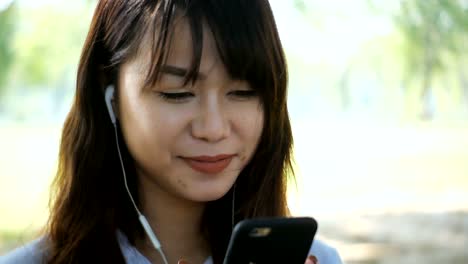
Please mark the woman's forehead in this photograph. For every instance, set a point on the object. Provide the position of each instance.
(180, 47)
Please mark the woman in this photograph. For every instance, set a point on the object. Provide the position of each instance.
(196, 102)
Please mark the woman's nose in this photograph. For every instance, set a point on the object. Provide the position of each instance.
(211, 122)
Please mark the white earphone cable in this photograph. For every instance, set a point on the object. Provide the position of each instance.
(141, 217)
(123, 171)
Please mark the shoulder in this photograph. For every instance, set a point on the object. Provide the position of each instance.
(324, 253)
(33, 252)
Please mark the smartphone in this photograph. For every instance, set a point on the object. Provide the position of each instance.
(271, 240)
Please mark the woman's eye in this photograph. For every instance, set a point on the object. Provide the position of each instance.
(176, 97)
(244, 94)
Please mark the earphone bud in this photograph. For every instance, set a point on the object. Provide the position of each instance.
(109, 96)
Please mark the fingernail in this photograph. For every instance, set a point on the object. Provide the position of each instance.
(312, 260)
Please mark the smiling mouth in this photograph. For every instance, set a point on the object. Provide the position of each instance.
(208, 164)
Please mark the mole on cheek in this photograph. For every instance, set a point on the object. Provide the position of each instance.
(181, 183)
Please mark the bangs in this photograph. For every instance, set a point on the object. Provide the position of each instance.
(244, 33)
(241, 33)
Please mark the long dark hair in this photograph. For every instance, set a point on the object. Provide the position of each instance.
(90, 202)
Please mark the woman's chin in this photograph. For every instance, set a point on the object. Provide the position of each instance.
(207, 195)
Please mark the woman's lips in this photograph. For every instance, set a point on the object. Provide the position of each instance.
(209, 164)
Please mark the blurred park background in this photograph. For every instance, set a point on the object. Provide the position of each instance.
(379, 104)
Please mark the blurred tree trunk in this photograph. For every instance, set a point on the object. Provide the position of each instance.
(343, 88)
(427, 97)
(463, 85)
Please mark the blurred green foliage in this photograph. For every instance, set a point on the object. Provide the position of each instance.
(435, 35)
(424, 56)
(42, 45)
(7, 29)
(425, 52)
(434, 27)
(49, 46)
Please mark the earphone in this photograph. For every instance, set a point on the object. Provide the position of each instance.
(109, 96)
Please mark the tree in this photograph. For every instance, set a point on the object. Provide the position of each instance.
(435, 35)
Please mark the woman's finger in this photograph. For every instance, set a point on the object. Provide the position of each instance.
(311, 260)
(182, 261)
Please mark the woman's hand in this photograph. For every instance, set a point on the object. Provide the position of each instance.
(311, 260)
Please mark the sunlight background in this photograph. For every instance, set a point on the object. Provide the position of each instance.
(379, 107)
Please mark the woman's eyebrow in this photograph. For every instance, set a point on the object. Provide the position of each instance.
(178, 71)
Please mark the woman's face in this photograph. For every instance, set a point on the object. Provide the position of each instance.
(189, 141)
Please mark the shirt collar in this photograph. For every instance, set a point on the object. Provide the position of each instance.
(132, 255)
